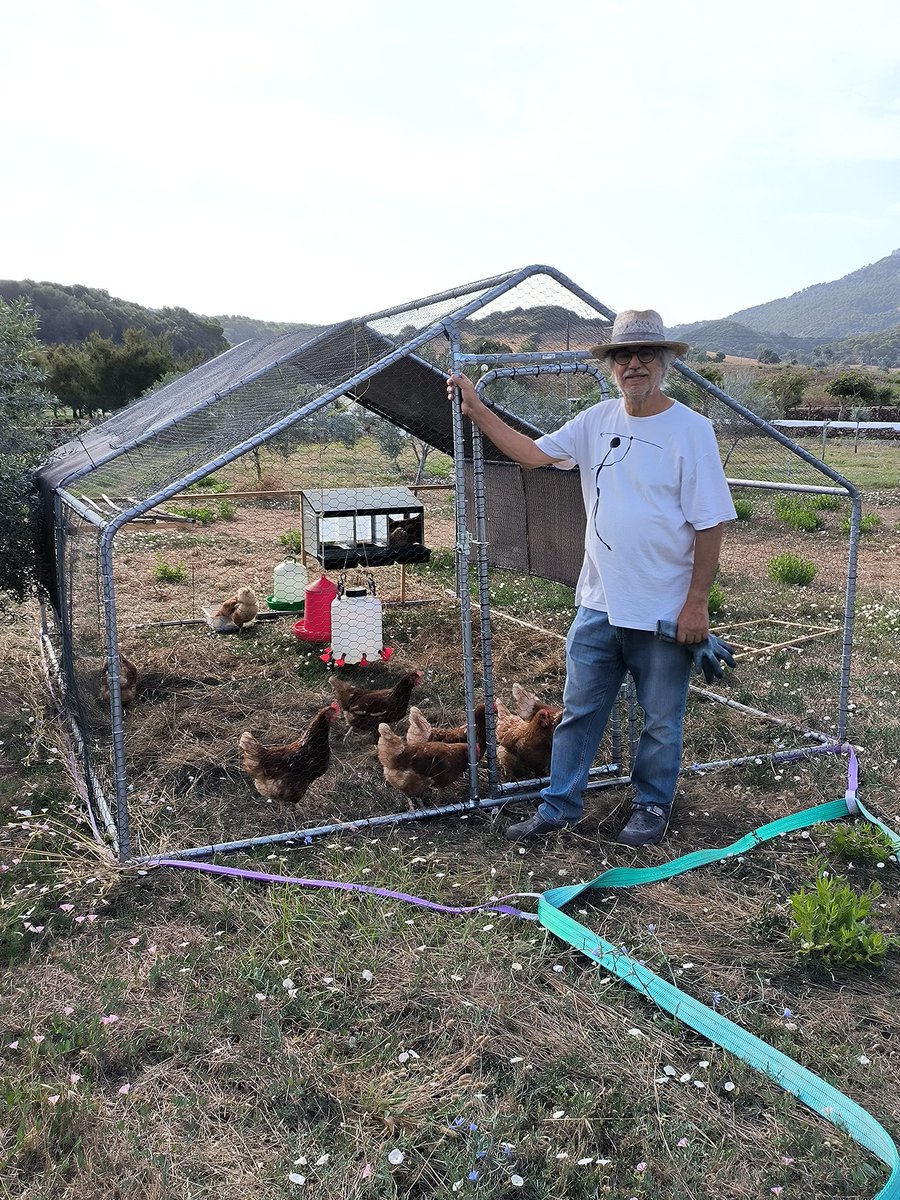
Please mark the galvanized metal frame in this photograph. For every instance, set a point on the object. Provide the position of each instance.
(485, 292)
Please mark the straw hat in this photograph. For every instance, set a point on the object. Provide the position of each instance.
(638, 327)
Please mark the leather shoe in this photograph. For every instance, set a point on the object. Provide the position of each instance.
(534, 827)
(645, 827)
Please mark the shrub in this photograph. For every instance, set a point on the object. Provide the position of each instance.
(441, 468)
(830, 922)
(798, 514)
(203, 515)
(744, 509)
(716, 598)
(226, 510)
(292, 541)
(826, 502)
(804, 520)
(867, 523)
(791, 569)
(164, 572)
(210, 484)
(860, 842)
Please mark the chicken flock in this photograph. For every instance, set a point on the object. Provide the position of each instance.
(427, 757)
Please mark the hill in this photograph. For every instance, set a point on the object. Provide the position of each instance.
(241, 329)
(731, 337)
(69, 314)
(849, 320)
(880, 349)
(865, 301)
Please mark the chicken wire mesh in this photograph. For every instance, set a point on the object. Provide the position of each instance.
(334, 448)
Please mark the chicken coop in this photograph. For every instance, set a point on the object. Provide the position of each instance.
(337, 444)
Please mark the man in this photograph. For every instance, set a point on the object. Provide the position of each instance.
(656, 498)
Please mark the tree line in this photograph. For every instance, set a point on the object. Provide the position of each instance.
(68, 315)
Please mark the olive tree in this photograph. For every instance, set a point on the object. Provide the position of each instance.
(23, 441)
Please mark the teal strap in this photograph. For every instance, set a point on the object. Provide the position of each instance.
(818, 1095)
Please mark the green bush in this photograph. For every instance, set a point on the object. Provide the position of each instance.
(830, 922)
(716, 598)
(791, 569)
(867, 524)
(860, 842)
(798, 514)
(203, 515)
(226, 510)
(826, 502)
(164, 572)
(441, 467)
(210, 484)
(744, 509)
(292, 541)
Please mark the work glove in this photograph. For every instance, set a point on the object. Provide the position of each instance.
(708, 655)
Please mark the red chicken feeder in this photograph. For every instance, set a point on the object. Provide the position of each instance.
(315, 625)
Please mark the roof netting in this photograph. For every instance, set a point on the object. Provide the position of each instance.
(259, 386)
(393, 363)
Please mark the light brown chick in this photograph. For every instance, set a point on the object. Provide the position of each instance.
(365, 710)
(128, 680)
(240, 609)
(524, 746)
(285, 772)
(412, 769)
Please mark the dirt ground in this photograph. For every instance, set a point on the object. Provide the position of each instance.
(198, 691)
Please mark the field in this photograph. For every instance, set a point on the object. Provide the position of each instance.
(169, 1033)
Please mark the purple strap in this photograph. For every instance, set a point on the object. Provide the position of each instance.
(853, 773)
(261, 876)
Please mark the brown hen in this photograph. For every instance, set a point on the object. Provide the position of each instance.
(240, 609)
(128, 680)
(413, 768)
(365, 710)
(524, 746)
(421, 730)
(285, 772)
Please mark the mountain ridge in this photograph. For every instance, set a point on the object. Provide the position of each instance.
(851, 310)
(854, 319)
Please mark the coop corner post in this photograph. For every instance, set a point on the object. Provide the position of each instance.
(849, 612)
(462, 559)
(112, 651)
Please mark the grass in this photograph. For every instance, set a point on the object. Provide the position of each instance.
(265, 1033)
(179, 1034)
(872, 465)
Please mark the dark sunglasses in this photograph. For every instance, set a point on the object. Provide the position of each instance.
(645, 354)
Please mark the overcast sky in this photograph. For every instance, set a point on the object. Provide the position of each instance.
(314, 161)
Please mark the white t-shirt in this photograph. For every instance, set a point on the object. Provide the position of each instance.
(649, 483)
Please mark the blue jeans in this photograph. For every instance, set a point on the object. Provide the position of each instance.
(597, 657)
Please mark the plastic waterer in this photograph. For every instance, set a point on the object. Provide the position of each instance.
(357, 633)
(290, 579)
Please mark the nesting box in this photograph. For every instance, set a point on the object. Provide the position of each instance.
(363, 527)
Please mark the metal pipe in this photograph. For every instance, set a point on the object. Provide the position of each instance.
(849, 616)
(403, 818)
(556, 356)
(462, 564)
